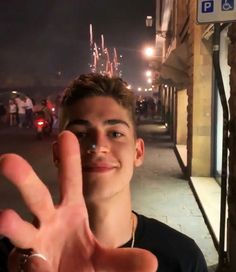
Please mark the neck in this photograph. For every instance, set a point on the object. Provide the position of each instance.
(112, 221)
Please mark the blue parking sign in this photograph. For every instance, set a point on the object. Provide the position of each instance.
(215, 11)
(207, 6)
(227, 5)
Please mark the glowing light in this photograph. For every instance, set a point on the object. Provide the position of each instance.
(149, 80)
(149, 51)
(148, 73)
(149, 21)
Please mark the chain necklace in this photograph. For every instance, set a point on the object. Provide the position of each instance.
(133, 231)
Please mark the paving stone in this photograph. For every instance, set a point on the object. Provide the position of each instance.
(159, 190)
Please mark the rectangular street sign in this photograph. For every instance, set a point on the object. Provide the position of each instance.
(213, 11)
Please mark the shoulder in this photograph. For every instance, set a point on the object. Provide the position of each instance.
(172, 248)
(155, 228)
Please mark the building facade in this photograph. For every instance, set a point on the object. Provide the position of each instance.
(232, 156)
(190, 84)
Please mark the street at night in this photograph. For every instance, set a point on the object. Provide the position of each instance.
(141, 96)
(156, 185)
(37, 152)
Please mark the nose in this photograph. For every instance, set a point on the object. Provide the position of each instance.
(98, 144)
(97, 149)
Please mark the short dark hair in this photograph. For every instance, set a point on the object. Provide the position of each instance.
(93, 84)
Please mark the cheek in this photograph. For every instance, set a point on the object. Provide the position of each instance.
(126, 154)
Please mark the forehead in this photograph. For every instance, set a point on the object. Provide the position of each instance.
(97, 109)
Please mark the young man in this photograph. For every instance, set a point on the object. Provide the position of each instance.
(94, 227)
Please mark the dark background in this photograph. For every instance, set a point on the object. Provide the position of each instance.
(40, 38)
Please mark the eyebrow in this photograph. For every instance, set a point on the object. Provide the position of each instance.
(106, 122)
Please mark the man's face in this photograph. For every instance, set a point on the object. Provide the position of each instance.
(108, 168)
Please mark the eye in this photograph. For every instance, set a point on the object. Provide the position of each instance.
(116, 134)
(80, 135)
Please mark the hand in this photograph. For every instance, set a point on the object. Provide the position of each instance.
(63, 235)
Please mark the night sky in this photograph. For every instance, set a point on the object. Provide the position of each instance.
(40, 38)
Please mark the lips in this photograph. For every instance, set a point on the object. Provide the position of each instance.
(98, 168)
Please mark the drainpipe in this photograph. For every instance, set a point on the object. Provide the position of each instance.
(223, 260)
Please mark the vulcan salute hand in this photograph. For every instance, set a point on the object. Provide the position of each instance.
(62, 240)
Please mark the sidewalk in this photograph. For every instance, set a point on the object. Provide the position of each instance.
(159, 190)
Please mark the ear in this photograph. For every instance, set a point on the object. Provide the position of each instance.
(139, 152)
(55, 153)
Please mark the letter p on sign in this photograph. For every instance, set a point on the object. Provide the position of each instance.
(207, 6)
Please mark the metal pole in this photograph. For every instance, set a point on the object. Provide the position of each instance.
(218, 75)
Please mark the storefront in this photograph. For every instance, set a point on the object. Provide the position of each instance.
(225, 69)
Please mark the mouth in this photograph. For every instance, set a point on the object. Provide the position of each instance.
(98, 168)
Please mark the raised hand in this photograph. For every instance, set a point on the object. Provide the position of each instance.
(62, 234)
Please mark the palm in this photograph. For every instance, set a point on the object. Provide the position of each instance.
(63, 234)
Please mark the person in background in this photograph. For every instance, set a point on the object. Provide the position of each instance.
(21, 105)
(47, 112)
(2, 112)
(28, 112)
(151, 107)
(94, 227)
(12, 113)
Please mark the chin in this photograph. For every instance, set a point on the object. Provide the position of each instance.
(100, 190)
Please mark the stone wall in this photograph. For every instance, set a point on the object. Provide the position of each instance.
(199, 101)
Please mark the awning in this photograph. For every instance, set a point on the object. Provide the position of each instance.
(175, 67)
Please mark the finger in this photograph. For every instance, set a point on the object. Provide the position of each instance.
(13, 261)
(125, 259)
(36, 264)
(30, 264)
(21, 233)
(33, 191)
(69, 168)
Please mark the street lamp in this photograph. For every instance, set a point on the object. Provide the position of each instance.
(149, 21)
(148, 73)
(149, 80)
(149, 52)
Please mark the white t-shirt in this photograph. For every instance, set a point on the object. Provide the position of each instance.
(20, 105)
(12, 108)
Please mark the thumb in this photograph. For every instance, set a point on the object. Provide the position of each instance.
(125, 260)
